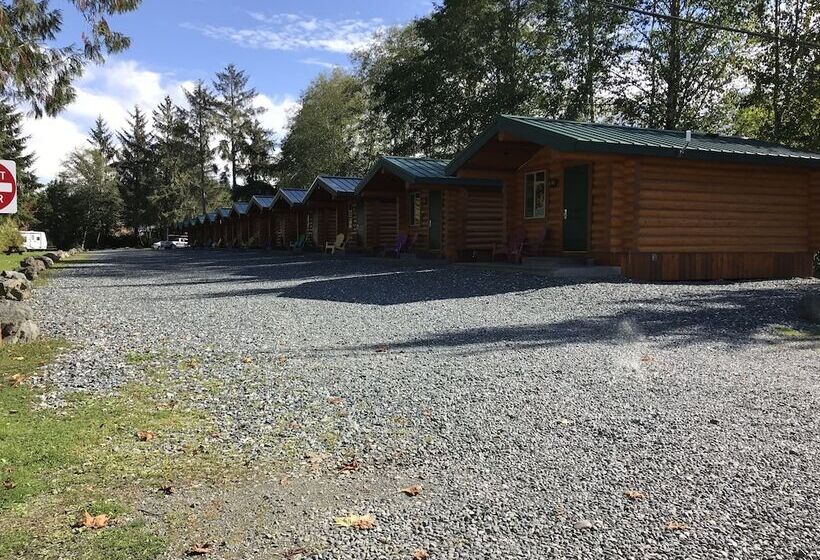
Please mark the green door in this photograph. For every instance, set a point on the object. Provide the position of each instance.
(576, 208)
(435, 221)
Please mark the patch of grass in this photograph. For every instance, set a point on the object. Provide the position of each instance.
(85, 455)
(139, 358)
(12, 262)
(130, 541)
(805, 334)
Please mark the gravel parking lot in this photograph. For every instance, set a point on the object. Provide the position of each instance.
(527, 408)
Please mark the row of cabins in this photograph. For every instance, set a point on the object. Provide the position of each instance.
(660, 204)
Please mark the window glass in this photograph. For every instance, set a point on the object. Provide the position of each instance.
(415, 209)
(535, 194)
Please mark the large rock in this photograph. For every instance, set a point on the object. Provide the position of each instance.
(32, 262)
(26, 331)
(16, 322)
(809, 308)
(12, 312)
(29, 272)
(13, 274)
(56, 256)
(15, 288)
(45, 260)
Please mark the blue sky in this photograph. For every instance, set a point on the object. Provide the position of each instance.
(282, 44)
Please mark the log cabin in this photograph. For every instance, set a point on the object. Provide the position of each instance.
(330, 208)
(661, 204)
(417, 198)
(261, 221)
(223, 228)
(240, 224)
(289, 220)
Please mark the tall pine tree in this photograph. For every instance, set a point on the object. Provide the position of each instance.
(136, 170)
(200, 118)
(102, 139)
(235, 112)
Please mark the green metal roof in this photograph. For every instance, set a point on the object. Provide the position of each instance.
(240, 208)
(291, 196)
(224, 212)
(571, 136)
(262, 202)
(422, 170)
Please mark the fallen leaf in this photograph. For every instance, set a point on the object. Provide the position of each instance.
(315, 459)
(95, 521)
(381, 349)
(295, 553)
(284, 481)
(167, 490)
(9, 484)
(18, 358)
(247, 360)
(349, 466)
(647, 359)
(564, 421)
(145, 435)
(16, 379)
(414, 490)
(634, 495)
(335, 400)
(421, 554)
(199, 550)
(283, 359)
(356, 521)
(676, 526)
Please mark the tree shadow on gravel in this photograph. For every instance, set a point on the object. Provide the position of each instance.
(734, 317)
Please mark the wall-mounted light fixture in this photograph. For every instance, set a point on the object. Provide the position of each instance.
(552, 182)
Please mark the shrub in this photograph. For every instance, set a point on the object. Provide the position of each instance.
(9, 234)
(817, 265)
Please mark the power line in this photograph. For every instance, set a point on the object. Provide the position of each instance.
(695, 22)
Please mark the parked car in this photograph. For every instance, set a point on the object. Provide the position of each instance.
(34, 240)
(173, 242)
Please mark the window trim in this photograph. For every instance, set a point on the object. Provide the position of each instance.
(535, 215)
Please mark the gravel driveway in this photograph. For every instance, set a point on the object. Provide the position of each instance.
(525, 407)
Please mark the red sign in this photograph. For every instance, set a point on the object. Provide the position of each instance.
(8, 187)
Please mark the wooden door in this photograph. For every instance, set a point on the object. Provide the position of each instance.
(434, 202)
(576, 208)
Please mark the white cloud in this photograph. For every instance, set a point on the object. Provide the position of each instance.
(289, 32)
(277, 112)
(318, 62)
(112, 91)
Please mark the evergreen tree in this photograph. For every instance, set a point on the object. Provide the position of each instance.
(35, 70)
(234, 112)
(136, 170)
(200, 119)
(102, 139)
(260, 168)
(175, 195)
(13, 146)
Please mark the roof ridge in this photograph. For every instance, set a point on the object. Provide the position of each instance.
(695, 133)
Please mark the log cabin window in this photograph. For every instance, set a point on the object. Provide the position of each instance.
(535, 194)
(351, 217)
(415, 209)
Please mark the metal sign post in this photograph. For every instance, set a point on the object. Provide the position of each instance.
(8, 187)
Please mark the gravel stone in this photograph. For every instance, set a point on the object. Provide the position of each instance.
(523, 403)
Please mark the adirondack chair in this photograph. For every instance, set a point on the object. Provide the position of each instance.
(538, 246)
(515, 247)
(411, 242)
(338, 245)
(401, 245)
(298, 245)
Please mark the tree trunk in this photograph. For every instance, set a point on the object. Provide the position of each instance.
(673, 74)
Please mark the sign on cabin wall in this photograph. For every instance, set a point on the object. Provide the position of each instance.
(8, 187)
